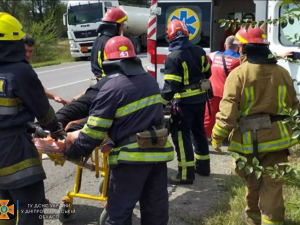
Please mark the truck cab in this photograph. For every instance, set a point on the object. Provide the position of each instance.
(202, 19)
(82, 20)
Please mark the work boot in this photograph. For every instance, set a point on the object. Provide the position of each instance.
(177, 180)
(253, 220)
(203, 167)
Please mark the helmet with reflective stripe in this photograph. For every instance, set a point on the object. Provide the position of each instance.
(10, 28)
(118, 47)
(251, 36)
(176, 29)
(115, 15)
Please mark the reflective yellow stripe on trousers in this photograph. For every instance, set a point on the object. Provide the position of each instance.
(182, 156)
(249, 93)
(269, 222)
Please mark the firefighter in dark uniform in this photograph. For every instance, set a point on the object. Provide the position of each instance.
(185, 68)
(22, 98)
(110, 26)
(129, 108)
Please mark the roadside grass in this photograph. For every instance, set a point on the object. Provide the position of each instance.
(228, 210)
(53, 54)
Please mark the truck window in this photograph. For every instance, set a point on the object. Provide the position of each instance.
(196, 16)
(89, 13)
(291, 29)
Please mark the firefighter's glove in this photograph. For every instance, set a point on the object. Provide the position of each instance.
(59, 133)
(70, 154)
(35, 129)
(217, 144)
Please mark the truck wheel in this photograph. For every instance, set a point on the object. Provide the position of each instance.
(103, 217)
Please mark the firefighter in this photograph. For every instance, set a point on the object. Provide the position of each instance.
(111, 25)
(129, 109)
(22, 98)
(222, 64)
(186, 67)
(29, 48)
(254, 94)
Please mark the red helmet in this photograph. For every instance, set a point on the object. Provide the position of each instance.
(118, 47)
(115, 15)
(252, 36)
(176, 29)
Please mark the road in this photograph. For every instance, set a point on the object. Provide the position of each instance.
(186, 203)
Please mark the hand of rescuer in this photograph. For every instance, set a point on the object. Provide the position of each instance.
(216, 143)
(70, 153)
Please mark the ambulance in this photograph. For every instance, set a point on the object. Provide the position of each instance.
(202, 19)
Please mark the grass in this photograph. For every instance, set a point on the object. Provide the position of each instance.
(42, 64)
(228, 212)
(52, 54)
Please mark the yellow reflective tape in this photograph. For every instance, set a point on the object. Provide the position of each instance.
(189, 93)
(113, 159)
(182, 156)
(281, 98)
(122, 19)
(262, 147)
(100, 61)
(186, 73)
(10, 101)
(1, 85)
(99, 122)
(165, 102)
(137, 105)
(146, 157)
(249, 93)
(99, 135)
(247, 137)
(219, 131)
(187, 164)
(202, 157)
(204, 69)
(241, 39)
(173, 77)
(19, 166)
(269, 222)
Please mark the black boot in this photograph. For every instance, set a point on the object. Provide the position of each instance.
(203, 167)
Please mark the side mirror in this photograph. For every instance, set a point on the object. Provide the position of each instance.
(65, 19)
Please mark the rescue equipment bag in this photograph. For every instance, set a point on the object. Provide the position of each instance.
(152, 138)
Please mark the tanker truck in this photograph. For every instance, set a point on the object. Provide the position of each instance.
(83, 18)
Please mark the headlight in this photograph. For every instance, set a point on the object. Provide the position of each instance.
(72, 45)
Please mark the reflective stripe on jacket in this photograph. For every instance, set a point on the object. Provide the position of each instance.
(253, 89)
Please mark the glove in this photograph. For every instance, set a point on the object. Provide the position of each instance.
(70, 154)
(59, 133)
(35, 129)
(216, 143)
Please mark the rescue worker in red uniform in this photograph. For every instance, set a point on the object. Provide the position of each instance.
(255, 94)
(111, 25)
(129, 107)
(185, 68)
(222, 64)
(22, 99)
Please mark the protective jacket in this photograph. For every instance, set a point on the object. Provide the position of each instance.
(185, 65)
(122, 108)
(219, 76)
(107, 31)
(80, 108)
(258, 86)
(22, 98)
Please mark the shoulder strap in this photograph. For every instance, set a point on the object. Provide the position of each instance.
(224, 64)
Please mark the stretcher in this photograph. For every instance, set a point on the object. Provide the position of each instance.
(54, 150)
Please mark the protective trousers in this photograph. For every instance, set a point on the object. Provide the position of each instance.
(30, 199)
(191, 122)
(264, 198)
(147, 184)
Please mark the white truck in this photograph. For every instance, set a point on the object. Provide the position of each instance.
(202, 16)
(83, 19)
